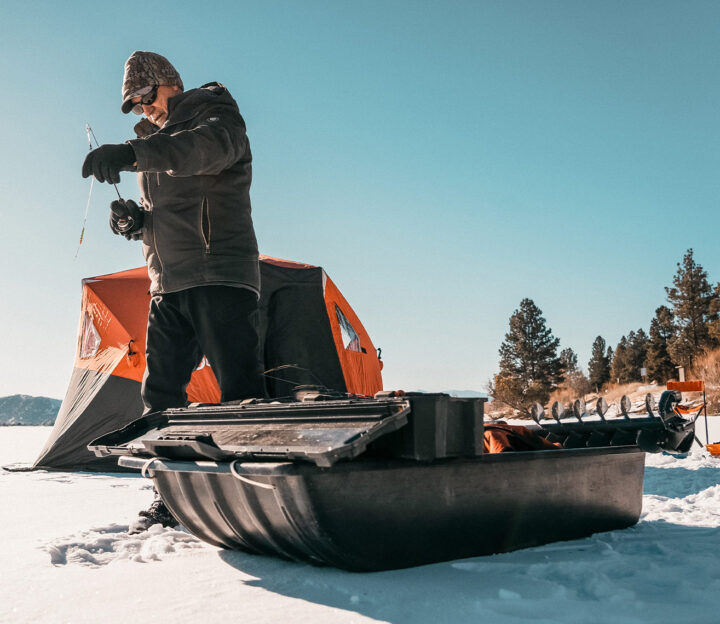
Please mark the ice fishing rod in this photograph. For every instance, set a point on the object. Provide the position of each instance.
(123, 224)
(90, 133)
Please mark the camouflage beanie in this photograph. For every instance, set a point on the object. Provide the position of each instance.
(146, 69)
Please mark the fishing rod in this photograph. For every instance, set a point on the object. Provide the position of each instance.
(90, 133)
(123, 224)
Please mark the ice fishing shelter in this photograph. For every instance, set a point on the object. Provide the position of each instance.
(309, 334)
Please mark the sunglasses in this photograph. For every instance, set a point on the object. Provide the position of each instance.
(147, 96)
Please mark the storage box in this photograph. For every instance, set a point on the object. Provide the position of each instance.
(438, 426)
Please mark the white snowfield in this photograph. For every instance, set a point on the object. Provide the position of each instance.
(65, 556)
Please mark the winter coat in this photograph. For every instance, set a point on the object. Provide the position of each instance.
(194, 174)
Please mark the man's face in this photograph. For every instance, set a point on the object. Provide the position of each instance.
(157, 111)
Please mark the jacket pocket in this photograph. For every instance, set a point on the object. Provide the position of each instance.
(205, 223)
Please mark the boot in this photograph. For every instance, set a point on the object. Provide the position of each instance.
(157, 513)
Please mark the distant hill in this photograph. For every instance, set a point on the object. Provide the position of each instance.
(465, 394)
(21, 409)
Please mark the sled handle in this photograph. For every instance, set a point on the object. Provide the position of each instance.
(146, 466)
(267, 486)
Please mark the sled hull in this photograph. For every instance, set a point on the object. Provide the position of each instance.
(371, 514)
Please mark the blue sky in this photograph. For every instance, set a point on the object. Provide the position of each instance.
(442, 160)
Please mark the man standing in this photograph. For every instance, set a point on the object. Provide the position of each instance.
(194, 169)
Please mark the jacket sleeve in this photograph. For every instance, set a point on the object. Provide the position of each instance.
(215, 143)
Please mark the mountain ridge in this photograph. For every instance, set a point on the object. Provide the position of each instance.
(23, 409)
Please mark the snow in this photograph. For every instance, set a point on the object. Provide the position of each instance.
(65, 556)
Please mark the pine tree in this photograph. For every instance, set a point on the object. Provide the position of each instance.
(619, 369)
(659, 364)
(599, 364)
(568, 361)
(714, 322)
(694, 306)
(574, 377)
(530, 368)
(630, 355)
(637, 353)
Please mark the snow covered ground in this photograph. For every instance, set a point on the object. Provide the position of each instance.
(65, 556)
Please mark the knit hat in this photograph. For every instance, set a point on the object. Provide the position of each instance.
(146, 69)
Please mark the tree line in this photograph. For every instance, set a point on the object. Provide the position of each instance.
(532, 368)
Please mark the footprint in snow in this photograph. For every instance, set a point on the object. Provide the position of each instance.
(101, 546)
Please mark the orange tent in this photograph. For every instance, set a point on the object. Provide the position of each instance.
(308, 332)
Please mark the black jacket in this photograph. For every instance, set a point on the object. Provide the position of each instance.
(194, 175)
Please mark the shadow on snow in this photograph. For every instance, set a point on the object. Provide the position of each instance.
(650, 572)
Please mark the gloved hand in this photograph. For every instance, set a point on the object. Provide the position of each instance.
(126, 219)
(107, 161)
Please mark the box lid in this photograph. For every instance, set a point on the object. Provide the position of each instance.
(320, 432)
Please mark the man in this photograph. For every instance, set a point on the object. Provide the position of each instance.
(194, 169)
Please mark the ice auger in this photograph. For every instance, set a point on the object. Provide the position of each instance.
(664, 428)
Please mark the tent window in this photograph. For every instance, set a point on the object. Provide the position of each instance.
(350, 339)
(90, 339)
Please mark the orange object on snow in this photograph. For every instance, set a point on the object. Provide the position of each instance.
(696, 385)
(501, 438)
(689, 409)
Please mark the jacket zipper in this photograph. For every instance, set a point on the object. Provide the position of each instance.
(205, 220)
(154, 230)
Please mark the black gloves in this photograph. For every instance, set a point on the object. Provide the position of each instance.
(107, 161)
(126, 219)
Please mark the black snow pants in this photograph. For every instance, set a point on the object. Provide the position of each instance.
(216, 321)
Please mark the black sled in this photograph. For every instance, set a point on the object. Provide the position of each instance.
(374, 484)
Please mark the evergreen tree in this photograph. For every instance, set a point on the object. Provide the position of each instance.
(619, 369)
(659, 364)
(574, 377)
(629, 358)
(714, 322)
(530, 368)
(568, 361)
(599, 364)
(638, 346)
(694, 306)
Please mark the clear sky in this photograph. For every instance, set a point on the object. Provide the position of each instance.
(441, 160)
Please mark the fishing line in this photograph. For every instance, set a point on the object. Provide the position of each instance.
(293, 366)
(88, 130)
(87, 208)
